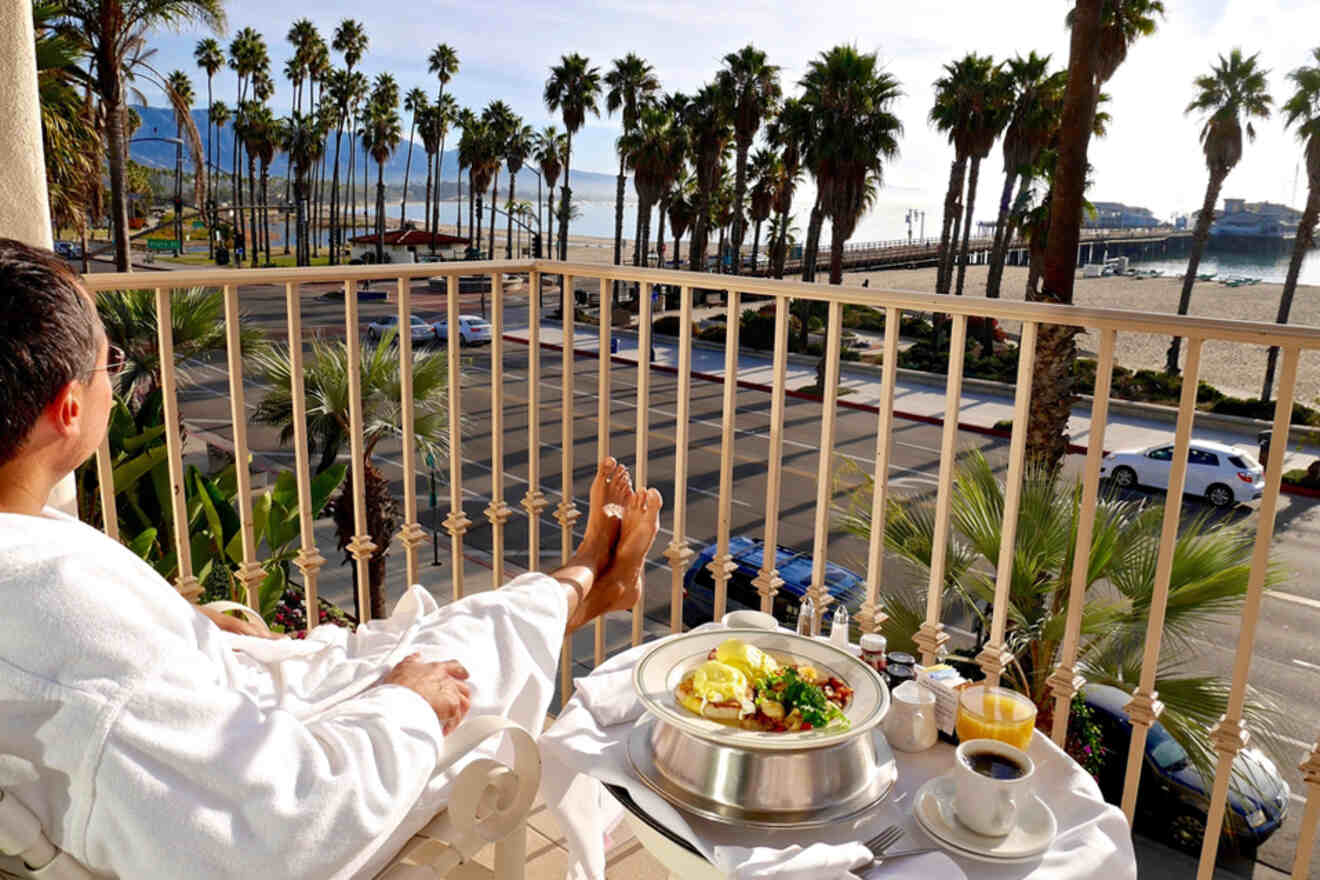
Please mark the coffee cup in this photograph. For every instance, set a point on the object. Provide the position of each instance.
(991, 781)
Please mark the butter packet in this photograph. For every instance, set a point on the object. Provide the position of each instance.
(944, 682)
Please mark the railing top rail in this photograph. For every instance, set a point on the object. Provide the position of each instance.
(1251, 332)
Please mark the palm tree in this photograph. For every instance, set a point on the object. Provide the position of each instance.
(517, 150)
(414, 103)
(1235, 91)
(318, 72)
(1102, 30)
(955, 112)
(219, 116)
(551, 147)
(993, 100)
(259, 133)
(247, 56)
(1033, 123)
(674, 105)
(631, 85)
(1212, 563)
(381, 134)
(434, 121)
(709, 130)
(340, 86)
(326, 382)
(210, 58)
(197, 318)
(1303, 111)
(787, 133)
(297, 70)
(573, 89)
(766, 171)
(681, 211)
(443, 64)
(110, 29)
(857, 133)
(350, 39)
(654, 151)
(303, 139)
(500, 123)
(753, 88)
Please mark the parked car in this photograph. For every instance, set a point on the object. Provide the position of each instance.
(1224, 475)
(472, 330)
(795, 569)
(421, 330)
(1174, 796)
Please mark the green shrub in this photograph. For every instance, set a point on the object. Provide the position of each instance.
(857, 317)
(1263, 409)
(815, 323)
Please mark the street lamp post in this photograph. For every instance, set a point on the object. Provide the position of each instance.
(178, 186)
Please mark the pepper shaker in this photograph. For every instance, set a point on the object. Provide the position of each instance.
(806, 616)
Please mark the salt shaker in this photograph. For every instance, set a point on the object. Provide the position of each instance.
(806, 616)
(839, 628)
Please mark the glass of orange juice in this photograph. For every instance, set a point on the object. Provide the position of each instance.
(995, 713)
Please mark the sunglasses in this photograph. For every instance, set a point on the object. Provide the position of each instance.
(114, 360)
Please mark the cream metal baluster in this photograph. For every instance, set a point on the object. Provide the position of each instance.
(602, 419)
(534, 501)
(818, 591)
(678, 552)
(643, 432)
(1064, 682)
(498, 512)
(721, 566)
(412, 535)
(767, 580)
(456, 522)
(1310, 815)
(105, 485)
(361, 546)
(309, 560)
(871, 615)
(186, 581)
(249, 572)
(994, 657)
(931, 637)
(1144, 707)
(1230, 734)
(567, 512)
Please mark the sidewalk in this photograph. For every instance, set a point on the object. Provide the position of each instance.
(920, 401)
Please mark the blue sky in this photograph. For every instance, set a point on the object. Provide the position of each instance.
(1151, 156)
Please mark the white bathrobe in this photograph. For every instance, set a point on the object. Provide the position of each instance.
(152, 745)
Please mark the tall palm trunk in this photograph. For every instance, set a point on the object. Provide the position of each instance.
(1301, 244)
(719, 251)
(473, 232)
(641, 251)
(430, 169)
(565, 200)
(380, 211)
(1199, 239)
(972, 174)
(366, 182)
(1052, 386)
(265, 211)
(1004, 227)
(351, 224)
(334, 201)
(839, 234)
(254, 239)
(508, 232)
(237, 172)
(112, 95)
(549, 244)
(677, 262)
(407, 168)
(948, 230)
(210, 178)
(739, 194)
(660, 232)
(779, 248)
(618, 222)
(494, 200)
(812, 243)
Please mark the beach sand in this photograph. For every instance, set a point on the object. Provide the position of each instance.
(1232, 367)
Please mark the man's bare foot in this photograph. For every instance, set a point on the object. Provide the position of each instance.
(610, 491)
(618, 587)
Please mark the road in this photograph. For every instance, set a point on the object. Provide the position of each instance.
(1285, 662)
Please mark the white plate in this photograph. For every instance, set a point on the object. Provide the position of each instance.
(1033, 834)
(663, 667)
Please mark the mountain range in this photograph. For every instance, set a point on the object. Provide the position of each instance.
(158, 122)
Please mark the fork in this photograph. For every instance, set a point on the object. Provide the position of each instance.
(884, 840)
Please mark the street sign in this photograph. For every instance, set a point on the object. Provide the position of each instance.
(162, 244)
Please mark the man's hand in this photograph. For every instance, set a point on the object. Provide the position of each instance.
(443, 685)
(239, 626)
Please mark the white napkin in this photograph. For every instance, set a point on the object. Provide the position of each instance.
(609, 697)
(820, 861)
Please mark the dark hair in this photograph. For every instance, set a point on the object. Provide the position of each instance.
(48, 337)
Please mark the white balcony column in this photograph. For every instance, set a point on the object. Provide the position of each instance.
(767, 580)
(534, 501)
(871, 616)
(722, 565)
(24, 203)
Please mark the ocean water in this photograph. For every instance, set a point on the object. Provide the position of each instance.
(1268, 269)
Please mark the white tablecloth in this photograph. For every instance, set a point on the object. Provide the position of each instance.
(579, 754)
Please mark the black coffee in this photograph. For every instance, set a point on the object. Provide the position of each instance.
(994, 765)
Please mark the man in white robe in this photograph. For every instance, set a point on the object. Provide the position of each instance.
(155, 740)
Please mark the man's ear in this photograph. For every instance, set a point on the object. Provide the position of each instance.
(65, 410)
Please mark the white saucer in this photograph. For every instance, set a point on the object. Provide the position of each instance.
(1033, 834)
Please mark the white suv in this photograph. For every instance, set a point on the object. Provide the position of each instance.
(1224, 475)
(472, 330)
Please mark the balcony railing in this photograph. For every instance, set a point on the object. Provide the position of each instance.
(1229, 734)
